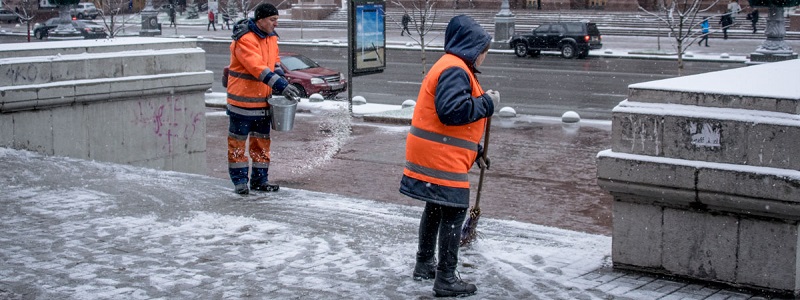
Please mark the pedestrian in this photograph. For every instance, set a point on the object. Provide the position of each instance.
(252, 77)
(172, 16)
(725, 21)
(406, 20)
(734, 9)
(211, 20)
(442, 145)
(753, 17)
(226, 19)
(704, 28)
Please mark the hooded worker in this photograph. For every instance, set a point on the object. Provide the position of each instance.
(442, 145)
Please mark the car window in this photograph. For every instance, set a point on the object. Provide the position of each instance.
(543, 28)
(557, 29)
(298, 62)
(574, 27)
(53, 22)
(592, 29)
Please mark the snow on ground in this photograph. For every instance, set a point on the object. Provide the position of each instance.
(76, 229)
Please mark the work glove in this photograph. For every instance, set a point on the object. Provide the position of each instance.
(495, 96)
(291, 93)
(482, 163)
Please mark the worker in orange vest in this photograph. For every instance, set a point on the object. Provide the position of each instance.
(253, 75)
(442, 145)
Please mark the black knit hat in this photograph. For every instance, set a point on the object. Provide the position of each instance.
(264, 10)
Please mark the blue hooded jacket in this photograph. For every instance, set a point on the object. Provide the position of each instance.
(454, 104)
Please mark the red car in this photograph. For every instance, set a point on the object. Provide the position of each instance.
(308, 76)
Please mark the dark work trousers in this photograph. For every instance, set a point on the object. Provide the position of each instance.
(443, 224)
(256, 129)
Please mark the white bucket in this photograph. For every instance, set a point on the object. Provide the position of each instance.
(282, 111)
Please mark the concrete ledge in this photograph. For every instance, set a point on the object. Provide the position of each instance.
(109, 89)
(18, 50)
(760, 92)
(722, 135)
(724, 187)
(143, 107)
(53, 68)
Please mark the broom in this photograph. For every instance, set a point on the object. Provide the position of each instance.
(469, 231)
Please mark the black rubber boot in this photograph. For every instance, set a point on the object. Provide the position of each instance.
(425, 270)
(241, 189)
(449, 285)
(265, 187)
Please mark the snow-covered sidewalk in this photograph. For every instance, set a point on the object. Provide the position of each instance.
(76, 229)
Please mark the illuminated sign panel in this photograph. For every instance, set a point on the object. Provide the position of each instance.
(369, 49)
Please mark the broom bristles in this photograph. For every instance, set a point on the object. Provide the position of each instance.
(469, 231)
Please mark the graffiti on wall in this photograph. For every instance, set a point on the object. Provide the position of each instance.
(642, 134)
(705, 134)
(170, 121)
(22, 74)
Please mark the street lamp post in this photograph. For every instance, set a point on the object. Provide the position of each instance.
(504, 23)
(150, 25)
(774, 47)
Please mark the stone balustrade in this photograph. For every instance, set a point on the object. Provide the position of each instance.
(705, 174)
(137, 101)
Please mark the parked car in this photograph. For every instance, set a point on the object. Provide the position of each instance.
(572, 39)
(307, 76)
(84, 10)
(311, 78)
(8, 16)
(88, 29)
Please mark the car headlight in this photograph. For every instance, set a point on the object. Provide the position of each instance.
(316, 80)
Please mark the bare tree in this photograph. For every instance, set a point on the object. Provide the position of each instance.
(423, 15)
(26, 15)
(681, 17)
(111, 13)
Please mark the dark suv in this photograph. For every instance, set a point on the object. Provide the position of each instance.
(573, 39)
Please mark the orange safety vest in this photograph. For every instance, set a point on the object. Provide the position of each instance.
(438, 153)
(251, 59)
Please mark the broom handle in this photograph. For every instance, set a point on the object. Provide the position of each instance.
(485, 150)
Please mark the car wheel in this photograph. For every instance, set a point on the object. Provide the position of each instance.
(520, 49)
(38, 34)
(80, 16)
(301, 89)
(535, 53)
(567, 51)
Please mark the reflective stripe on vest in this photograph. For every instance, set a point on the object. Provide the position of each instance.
(435, 152)
(440, 138)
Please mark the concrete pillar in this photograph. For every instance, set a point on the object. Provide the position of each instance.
(774, 47)
(705, 178)
(504, 23)
(150, 25)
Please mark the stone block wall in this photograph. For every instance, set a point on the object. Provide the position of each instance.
(706, 179)
(135, 101)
